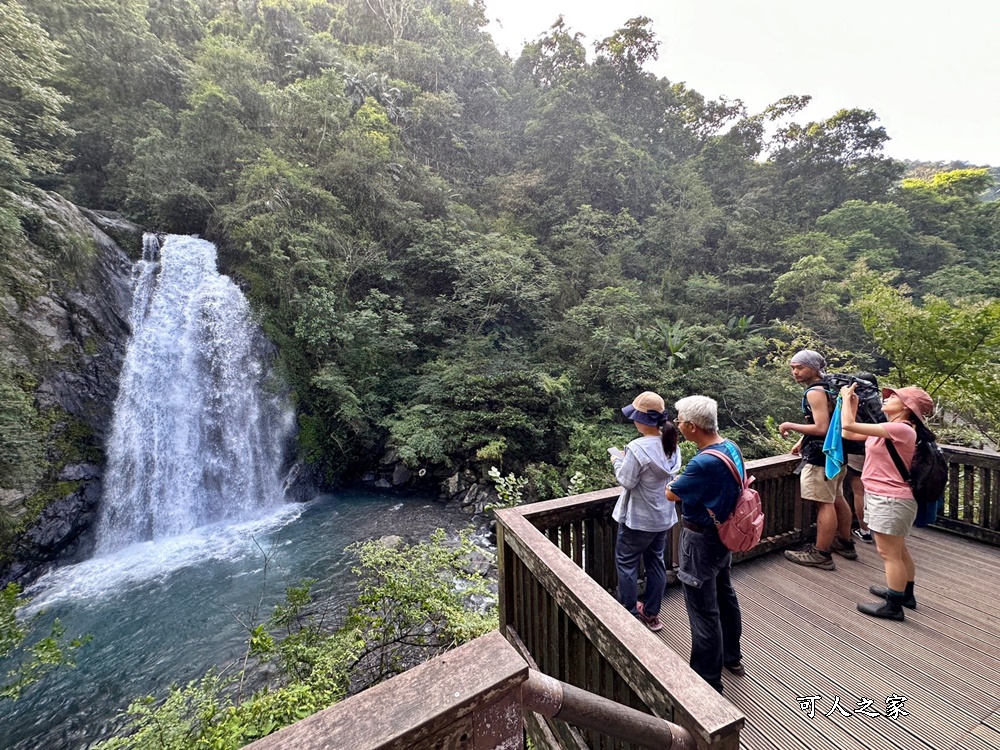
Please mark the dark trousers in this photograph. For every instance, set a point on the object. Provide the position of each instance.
(712, 607)
(632, 547)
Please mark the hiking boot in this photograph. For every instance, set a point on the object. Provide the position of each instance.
(650, 621)
(865, 535)
(910, 602)
(888, 610)
(844, 548)
(812, 557)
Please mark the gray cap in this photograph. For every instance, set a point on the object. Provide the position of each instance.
(809, 358)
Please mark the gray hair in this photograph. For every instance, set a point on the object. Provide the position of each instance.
(700, 411)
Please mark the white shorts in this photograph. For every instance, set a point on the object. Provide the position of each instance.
(890, 515)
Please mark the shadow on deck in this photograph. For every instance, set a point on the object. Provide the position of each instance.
(803, 638)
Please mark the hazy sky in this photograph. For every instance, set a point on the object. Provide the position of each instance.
(929, 70)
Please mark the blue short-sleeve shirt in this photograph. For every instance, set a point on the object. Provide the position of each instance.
(707, 482)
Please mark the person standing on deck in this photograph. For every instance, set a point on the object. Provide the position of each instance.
(833, 514)
(643, 514)
(889, 505)
(705, 562)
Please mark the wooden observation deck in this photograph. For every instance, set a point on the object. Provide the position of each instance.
(820, 675)
(813, 662)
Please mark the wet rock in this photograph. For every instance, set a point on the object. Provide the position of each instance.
(121, 230)
(79, 472)
(300, 483)
(63, 533)
(401, 475)
(451, 486)
(476, 498)
(68, 327)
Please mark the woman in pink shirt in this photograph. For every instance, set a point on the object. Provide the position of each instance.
(889, 505)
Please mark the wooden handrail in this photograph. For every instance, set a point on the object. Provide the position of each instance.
(472, 696)
(558, 700)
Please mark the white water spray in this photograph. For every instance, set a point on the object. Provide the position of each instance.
(197, 437)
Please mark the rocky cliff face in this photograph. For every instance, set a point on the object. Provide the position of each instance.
(65, 293)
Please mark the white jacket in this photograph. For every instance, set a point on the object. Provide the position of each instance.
(644, 473)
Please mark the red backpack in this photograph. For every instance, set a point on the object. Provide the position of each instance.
(742, 530)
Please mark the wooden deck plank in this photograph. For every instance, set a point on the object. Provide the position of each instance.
(941, 632)
(841, 623)
(854, 655)
(765, 730)
(803, 636)
(993, 721)
(988, 735)
(788, 674)
(931, 626)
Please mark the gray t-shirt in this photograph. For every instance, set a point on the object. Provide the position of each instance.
(644, 472)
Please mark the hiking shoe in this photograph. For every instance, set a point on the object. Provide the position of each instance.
(864, 535)
(650, 621)
(886, 610)
(812, 557)
(737, 668)
(844, 548)
(883, 591)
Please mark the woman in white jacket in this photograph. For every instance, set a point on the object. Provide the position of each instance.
(643, 513)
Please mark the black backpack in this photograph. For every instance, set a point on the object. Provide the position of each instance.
(869, 396)
(928, 474)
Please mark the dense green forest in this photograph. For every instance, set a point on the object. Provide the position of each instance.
(466, 261)
(473, 261)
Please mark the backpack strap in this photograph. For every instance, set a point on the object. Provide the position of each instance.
(741, 481)
(727, 459)
(831, 397)
(898, 460)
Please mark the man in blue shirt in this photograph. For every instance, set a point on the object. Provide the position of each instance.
(705, 562)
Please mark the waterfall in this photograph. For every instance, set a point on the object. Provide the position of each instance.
(197, 436)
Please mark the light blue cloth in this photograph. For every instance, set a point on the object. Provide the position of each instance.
(833, 446)
(644, 472)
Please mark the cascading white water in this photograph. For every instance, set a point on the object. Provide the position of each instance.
(197, 437)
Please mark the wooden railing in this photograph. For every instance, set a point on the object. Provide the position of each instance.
(557, 577)
(972, 498)
(558, 616)
(472, 697)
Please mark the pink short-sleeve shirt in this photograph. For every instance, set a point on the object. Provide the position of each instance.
(880, 475)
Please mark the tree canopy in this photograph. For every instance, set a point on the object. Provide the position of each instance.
(454, 250)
